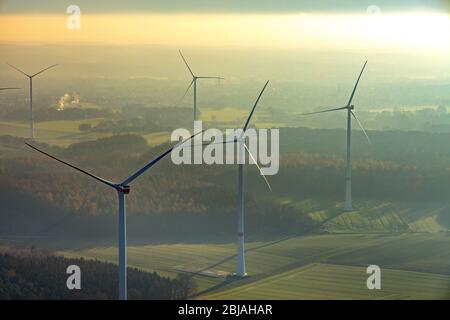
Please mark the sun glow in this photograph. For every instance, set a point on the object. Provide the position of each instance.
(413, 31)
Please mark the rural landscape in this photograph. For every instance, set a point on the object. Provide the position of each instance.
(366, 185)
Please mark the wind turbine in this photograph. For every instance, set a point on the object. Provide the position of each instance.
(30, 77)
(240, 263)
(350, 113)
(122, 189)
(194, 81)
(1, 89)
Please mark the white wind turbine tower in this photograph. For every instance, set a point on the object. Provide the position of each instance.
(240, 263)
(30, 77)
(350, 113)
(122, 189)
(194, 82)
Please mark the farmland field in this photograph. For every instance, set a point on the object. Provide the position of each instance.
(413, 266)
(60, 133)
(371, 216)
(156, 138)
(325, 281)
(66, 132)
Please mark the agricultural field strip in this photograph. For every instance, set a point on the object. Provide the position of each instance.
(314, 258)
(187, 257)
(339, 282)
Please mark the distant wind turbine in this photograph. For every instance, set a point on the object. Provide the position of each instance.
(122, 189)
(240, 263)
(31, 93)
(349, 107)
(194, 81)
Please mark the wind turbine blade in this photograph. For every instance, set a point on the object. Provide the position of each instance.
(43, 70)
(18, 70)
(187, 90)
(182, 57)
(154, 161)
(328, 110)
(109, 183)
(356, 84)
(254, 107)
(256, 162)
(361, 126)
(9, 88)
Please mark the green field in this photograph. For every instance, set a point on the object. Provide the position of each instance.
(60, 133)
(156, 138)
(414, 266)
(371, 216)
(65, 132)
(326, 281)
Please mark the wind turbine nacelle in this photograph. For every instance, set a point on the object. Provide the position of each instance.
(124, 189)
(352, 107)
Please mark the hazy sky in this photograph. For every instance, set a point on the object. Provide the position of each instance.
(358, 24)
(268, 6)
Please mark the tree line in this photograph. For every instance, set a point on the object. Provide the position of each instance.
(38, 274)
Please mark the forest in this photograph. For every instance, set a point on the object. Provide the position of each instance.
(39, 196)
(37, 274)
